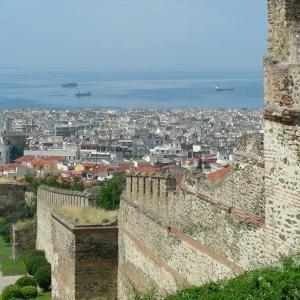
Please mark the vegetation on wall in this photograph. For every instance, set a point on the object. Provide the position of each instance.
(53, 181)
(109, 197)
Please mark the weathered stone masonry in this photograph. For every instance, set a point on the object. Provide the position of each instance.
(202, 231)
(282, 129)
(12, 198)
(176, 238)
(23, 240)
(85, 260)
(47, 200)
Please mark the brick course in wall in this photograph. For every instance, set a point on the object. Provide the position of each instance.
(47, 200)
(204, 231)
(194, 237)
(85, 260)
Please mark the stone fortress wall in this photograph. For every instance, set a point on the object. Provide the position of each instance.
(12, 197)
(48, 199)
(177, 236)
(204, 231)
(282, 128)
(172, 237)
(22, 240)
(85, 260)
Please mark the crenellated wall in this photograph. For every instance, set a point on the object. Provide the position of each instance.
(156, 192)
(47, 200)
(171, 238)
(205, 231)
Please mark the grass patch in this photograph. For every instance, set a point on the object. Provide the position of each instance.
(8, 265)
(28, 224)
(44, 296)
(87, 215)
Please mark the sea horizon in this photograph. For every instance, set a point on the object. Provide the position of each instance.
(21, 88)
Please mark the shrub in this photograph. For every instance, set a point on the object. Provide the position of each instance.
(33, 260)
(5, 229)
(32, 253)
(43, 277)
(2, 221)
(109, 197)
(34, 264)
(11, 291)
(25, 281)
(29, 292)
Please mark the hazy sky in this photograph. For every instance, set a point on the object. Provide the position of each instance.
(133, 34)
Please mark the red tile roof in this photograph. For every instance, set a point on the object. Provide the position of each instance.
(147, 169)
(9, 167)
(98, 169)
(218, 174)
(55, 158)
(89, 164)
(25, 158)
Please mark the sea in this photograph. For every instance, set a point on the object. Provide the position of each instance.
(149, 89)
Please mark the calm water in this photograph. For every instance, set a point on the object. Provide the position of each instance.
(20, 89)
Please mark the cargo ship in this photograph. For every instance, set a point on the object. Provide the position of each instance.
(223, 89)
(79, 94)
(69, 84)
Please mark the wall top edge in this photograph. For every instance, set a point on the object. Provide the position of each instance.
(65, 192)
(159, 175)
(73, 227)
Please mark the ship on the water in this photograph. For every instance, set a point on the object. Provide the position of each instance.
(69, 84)
(223, 89)
(86, 94)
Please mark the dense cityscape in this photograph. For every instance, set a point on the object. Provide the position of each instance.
(71, 142)
(143, 157)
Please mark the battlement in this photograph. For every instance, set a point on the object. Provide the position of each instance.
(58, 197)
(140, 186)
(155, 192)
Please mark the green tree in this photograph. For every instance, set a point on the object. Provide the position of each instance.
(109, 197)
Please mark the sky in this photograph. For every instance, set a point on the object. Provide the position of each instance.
(130, 35)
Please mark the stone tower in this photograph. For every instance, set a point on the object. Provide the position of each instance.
(282, 128)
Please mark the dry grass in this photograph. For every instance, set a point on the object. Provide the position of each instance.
(26, 224)
(6, 180)
(87, 215)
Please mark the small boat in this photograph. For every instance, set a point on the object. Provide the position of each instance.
(223, 89)
(69, 85)
(79, 94)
